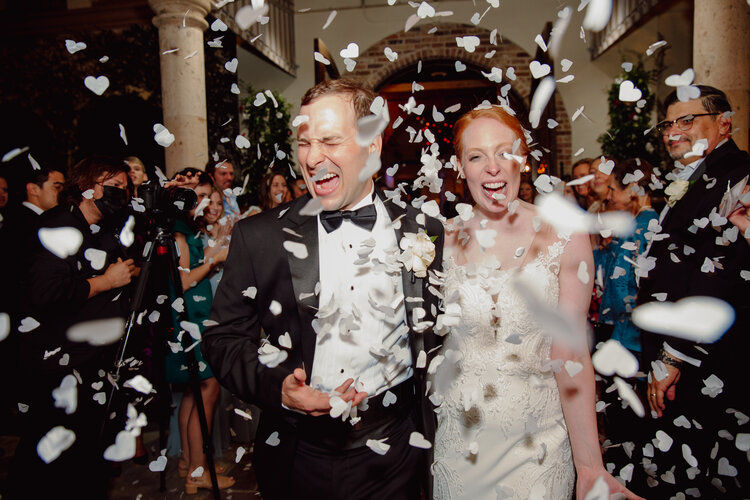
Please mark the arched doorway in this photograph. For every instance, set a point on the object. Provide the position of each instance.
(450, 74)
(437, 87)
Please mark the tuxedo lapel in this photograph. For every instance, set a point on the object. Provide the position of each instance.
(412, 285)
(305, 276)
(682, 212)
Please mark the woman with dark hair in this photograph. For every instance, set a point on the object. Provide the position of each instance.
(196, 264)
(76, 298)
(273, 191)
(527, 191)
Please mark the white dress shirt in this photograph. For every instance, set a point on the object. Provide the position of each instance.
(33, 207)
(361, 324)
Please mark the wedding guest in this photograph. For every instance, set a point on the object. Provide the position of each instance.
(599, 188)
(299, 188)
(197, 263)
(703, 382)
(273, 191)
(629, 191)
(584, 193)
(527, 192)
(69, 285)
(18, 241)
(509, 424)
(222, 175)
(620, 289)
(137, 173)
(215, 231)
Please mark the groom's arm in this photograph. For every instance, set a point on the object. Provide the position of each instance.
(231, 345)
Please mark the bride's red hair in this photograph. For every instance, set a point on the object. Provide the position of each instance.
(494, 113)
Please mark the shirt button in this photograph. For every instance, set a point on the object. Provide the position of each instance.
(351, 287)
(350, 245)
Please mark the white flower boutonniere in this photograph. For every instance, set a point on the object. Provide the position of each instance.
(676, 190)
(418, 252)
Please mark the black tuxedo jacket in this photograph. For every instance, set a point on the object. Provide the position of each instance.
(728, 165)
(18, 242)
(258, 261)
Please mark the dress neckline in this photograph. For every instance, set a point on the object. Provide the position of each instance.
(524, 262)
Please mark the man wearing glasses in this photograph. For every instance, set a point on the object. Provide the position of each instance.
(695, 390)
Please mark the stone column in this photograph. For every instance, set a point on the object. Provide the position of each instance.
(183, 80)
(721, 56)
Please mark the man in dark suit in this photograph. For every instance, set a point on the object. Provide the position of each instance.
(317, 317)
(700, 257)
(18, 242)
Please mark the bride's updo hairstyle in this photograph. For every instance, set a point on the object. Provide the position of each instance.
(495, 113)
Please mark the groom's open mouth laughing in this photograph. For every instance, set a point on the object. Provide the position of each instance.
(326, 184)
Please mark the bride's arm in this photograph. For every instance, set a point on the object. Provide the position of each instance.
(577, 393)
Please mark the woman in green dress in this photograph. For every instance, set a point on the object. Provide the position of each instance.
(196, 264)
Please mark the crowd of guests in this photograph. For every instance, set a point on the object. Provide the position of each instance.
(88, 272)
(71, 258)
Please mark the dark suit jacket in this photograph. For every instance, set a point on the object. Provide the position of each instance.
(55, 293)
(257, 259)
(728, 165)
(18, 242)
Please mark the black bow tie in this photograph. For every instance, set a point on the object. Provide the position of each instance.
(364, 218)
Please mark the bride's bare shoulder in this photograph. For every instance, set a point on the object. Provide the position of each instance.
(452, 228)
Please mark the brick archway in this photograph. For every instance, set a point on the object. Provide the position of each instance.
(418, 44)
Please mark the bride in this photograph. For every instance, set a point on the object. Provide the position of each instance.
(517, 418)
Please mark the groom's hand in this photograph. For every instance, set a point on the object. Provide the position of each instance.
(296, 395)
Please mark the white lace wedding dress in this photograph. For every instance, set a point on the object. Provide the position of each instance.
(501, 432)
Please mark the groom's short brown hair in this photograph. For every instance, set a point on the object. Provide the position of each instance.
(360, 95)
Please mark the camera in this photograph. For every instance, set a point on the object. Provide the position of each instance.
(172, 200)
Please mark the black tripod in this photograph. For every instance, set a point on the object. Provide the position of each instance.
(160, 254)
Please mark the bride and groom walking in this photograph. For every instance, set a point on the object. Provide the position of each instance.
(327, 307)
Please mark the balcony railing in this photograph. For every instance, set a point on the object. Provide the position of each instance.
(276, 40)
(627, 15)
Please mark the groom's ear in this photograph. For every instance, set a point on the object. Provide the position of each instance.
(377, 145)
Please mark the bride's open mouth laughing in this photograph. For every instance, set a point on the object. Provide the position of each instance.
(495, 190)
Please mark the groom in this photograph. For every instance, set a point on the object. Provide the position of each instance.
(321, 325)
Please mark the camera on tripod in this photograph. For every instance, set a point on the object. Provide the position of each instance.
(173, 200)
(164, 204)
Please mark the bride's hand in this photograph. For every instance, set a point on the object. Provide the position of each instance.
(587, 476)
